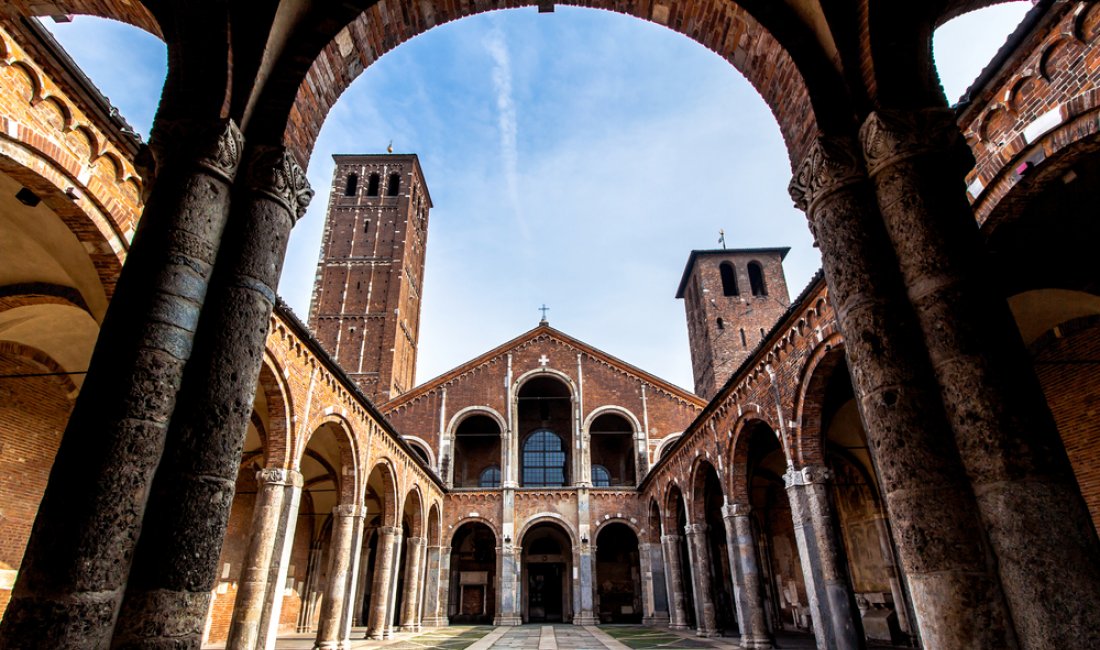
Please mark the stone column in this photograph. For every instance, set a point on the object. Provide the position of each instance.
(391, 595)
(509, 558)
(937, 527)
(677, 620)
(383, 575)
(410, 614)
(585, 605)
(78, 556)
(837, 621)
(748, 591)
(345, 520)
(433, 583)
(654, 592)
(1047, 551)
(260, 587)
(175, 565)
(348, 615)
(699, 550)
(444, 585)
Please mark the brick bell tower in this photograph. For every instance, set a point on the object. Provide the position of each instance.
(732, 299)
(367, 293)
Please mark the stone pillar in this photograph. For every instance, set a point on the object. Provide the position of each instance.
(584, 607)
(176, 562)
(260, 587)
(344, 524)
(1047, 552)
(654, 592)
(699, 551)
(937, 527)
(391, 595)
(748, 590)
(434, 581)
(349, 615)
(444, 585)
(383, 576)
(509, 558)
(78, 556)
(410, 610)
(677, 619)
(837, 621)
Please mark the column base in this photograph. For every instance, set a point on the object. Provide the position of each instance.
(409, 628)
(509, 620)
(678, 626)
(436, 621)
(584, 619)
(657, 619)
(326, 645)
(756, 642)
(707, 634)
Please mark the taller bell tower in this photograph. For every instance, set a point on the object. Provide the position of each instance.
(367, 292)
(732, 299)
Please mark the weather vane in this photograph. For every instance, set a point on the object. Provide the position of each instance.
(722, 237)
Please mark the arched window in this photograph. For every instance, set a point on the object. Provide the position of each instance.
(729, 279)
(721, 324)
(600, 476)
(373, 183)
(543, 460)
(756, 279)
(393, 186)
(490, 477)
(352, 185)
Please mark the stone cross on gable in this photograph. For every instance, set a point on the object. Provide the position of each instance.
(543, 360)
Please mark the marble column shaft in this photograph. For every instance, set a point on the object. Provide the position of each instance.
(391, 594)
(348, 614)
(176, 562)
(383, 575)
(675, 580)
(345, 519)
(654, 593)
(259, 585)
(78, 556)
(699, 552)
(434, 581)
(947, 562)
(747, 588)
(837, 620)
(414, 555)
(1047, 550)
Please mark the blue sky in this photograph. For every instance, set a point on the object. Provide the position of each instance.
(574, 159)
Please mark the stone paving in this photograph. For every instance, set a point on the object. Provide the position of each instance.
(545, 637)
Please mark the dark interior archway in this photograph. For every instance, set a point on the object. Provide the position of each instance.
(472, 582)
(547, 574)
(618, 575)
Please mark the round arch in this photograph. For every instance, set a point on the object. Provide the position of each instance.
(457, 526)
(280, 406)
(412, 509)
(635, 424)
(419, 444)
(518, 384)
(349, 453)
(387, 492)
(470, 411)
(807, 448)
(738, 472)
(549, 517)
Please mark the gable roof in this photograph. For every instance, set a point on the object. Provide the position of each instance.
(543, 329)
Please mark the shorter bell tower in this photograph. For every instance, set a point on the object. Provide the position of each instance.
(732, 297)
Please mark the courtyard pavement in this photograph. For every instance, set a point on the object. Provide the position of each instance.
(544, 637)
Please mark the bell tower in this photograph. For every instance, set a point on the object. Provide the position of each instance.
(732, 298)
(367, 292)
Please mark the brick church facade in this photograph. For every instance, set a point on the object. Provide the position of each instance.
(905, 451)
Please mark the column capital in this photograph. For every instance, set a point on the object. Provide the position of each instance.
(696, 529)
(417, 541)
(275, 173)
(672, 539)
(831, 164)
(389, 530)
(891, 136)
(736, 510)
(214, 145)
(349, 510)
(807, 475)
(279, 476)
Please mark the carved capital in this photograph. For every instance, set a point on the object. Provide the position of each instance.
(892, 136)
(670, 539)
(696, 529)
(832, 163)
(736, 510)
(215, 146)
(274, 173)
(807, 475)
(279, 476)
(417, 541)
(349, 510)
